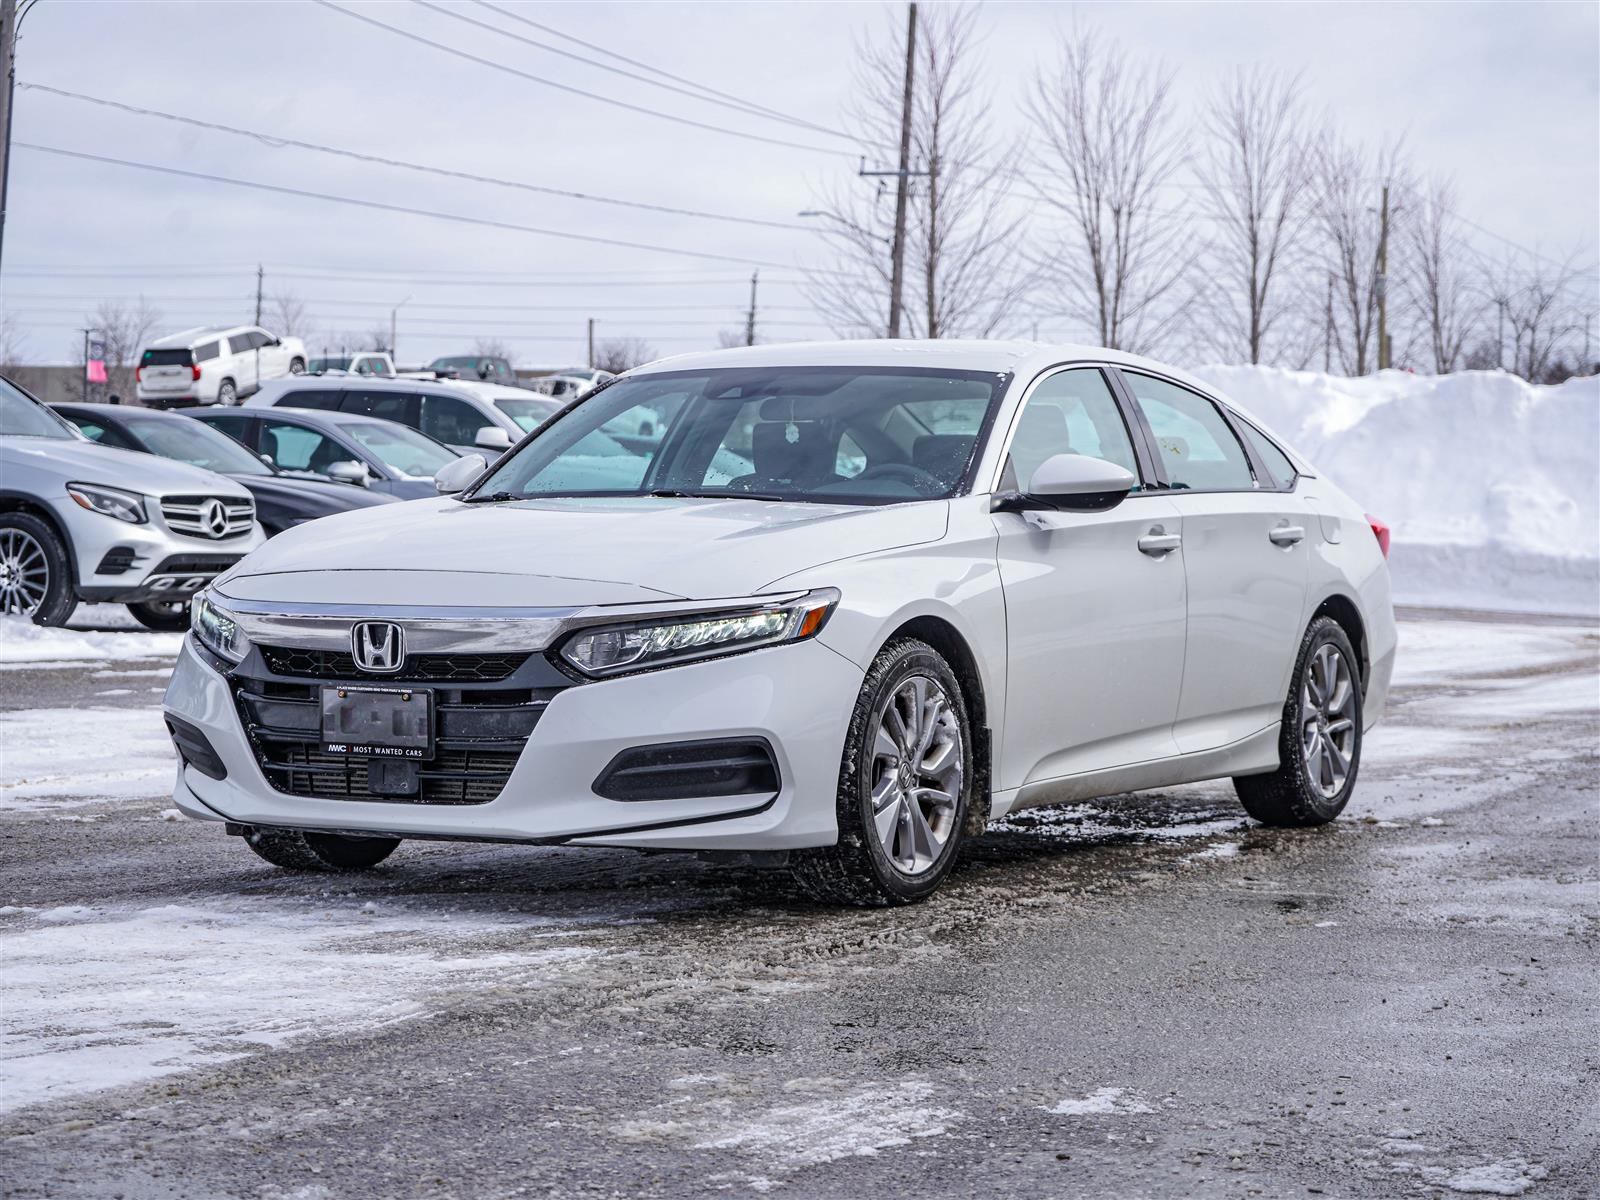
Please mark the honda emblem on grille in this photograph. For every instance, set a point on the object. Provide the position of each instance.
(378, 646)
(215, 518)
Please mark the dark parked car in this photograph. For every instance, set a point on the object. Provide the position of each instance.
(486, 367)
(283, 498)
(347, 448)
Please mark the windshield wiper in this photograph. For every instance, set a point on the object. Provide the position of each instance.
(493, 498)
(678, 494)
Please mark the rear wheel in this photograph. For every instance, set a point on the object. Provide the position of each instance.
(167, 616)
(1319, 748)
(298, 850)
(297, 366)
(35, 577)
(905, 785)
(227, 393)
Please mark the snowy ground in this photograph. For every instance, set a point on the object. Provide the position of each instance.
(1142, 996)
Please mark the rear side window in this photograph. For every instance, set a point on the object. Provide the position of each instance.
(166, 358)
(390, 406)
(449, 420)
(1279, 467)
(205, 352)
(1193, 442)
(309, 398)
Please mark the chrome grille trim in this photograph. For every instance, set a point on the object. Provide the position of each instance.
(188, 515)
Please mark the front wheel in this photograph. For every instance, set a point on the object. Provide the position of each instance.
(298, 850)
(35, 576)
(166, 616)
(1319, 748)
(905, 785)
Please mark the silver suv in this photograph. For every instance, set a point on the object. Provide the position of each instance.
(80, 521)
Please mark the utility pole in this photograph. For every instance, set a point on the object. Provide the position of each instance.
(750, 318)
(1383, 282)
(591, 343)
(260, 275)
(8, 79)
(902, 184)
(394, 320)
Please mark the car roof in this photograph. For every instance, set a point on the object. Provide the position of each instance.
(190, 337)
(116, 412)
(467, 388)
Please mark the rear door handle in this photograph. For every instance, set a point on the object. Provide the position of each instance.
(1158, 542)
(1287, 535)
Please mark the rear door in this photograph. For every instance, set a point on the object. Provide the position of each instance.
(241, 366)
(1246, 559)
(1094, 600)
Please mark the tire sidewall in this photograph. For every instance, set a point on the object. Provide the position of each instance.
(227, 393)
(60, 598)
(856, 816)
(1322, 633)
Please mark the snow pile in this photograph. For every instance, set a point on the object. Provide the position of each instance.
(62, 757)
(21, 641)
(1491, 485)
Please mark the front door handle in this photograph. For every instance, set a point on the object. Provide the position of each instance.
(1158, 542)
(1287, 535)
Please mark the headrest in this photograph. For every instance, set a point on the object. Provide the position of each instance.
(1042, 432)
(942, 455)
(776, 457)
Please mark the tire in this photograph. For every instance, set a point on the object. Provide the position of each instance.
(297, 366)
(296, 850)
(35, 572)
(227, 394)
(922, 836)
(165, 616)
(1321, 731)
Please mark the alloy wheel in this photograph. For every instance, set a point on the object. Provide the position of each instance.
(918, 764)
(1327, 720)
(24, 573)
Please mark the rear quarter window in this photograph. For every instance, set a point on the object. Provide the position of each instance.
(309, 398)
(1279, 467)
(205, 352)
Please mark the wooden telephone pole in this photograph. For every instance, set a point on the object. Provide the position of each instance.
(897, 271)
(750, 317)
(1383, 282)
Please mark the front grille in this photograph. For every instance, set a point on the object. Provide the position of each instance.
(430, 668)
(480, 725)
(208, 516)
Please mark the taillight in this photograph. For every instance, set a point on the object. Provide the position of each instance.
(1381, 532)
(138, 374)
(194, 370)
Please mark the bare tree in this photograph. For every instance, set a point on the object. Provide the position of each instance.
(286, 315)
(1105, 147)
(963, 228)
(1537, 309)
(623, 353)
(490, 347)
(1348, 228)
(123, 329)
(1437, 280)
(10, 343)
(728, 339)
(1257, 177)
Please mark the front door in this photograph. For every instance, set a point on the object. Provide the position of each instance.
(1094, 602)
(1246, 552)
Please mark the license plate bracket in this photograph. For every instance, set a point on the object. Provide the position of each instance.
(371, 722)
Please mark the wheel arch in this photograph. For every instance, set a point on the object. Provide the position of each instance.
(1342, 610)
(18, 502)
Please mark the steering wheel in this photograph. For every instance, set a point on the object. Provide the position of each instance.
(914, 477)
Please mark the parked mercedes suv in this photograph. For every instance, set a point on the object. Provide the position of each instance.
(85, 522)
(853, 601)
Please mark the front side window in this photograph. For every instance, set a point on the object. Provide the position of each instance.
(1196, 448)
(404, 451)
(1070, 412)
(1281, 470)
(826, 435)
(296, 448)
(529, 412)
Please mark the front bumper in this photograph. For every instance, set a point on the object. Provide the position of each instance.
(797, 698)
(119, 563)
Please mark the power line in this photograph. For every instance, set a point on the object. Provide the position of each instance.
(397, 208)
(562, 87)
(381, 302)
(278, 142)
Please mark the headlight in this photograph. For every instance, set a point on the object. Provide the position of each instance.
(109, 502)
(641, 645)
(216, 629)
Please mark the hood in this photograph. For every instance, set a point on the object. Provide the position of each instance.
(568, 552)
(312, 494)
(131, 470)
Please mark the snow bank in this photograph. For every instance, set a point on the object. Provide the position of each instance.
(21, 641)
(1491, 485)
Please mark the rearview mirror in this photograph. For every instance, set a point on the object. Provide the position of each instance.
(348, 472)
(492, 437)
(454, 476)
(1072, 481)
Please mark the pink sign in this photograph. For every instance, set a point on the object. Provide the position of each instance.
(96, 371)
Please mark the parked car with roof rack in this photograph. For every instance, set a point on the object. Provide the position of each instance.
(80, 522)
(465, 415)
(351, 449)
(214, 365)
(489, 368)
(363, 362)
(283, 499)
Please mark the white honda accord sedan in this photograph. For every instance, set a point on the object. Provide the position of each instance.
(841, 606)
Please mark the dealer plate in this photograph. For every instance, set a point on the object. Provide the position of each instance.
(377, 722)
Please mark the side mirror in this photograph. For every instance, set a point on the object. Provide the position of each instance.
(1072, 481)
(492, 437)
(267, 458)
(485, 370)
(348, 472)
(454, 476)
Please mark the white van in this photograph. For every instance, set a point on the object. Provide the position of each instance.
(216, 365)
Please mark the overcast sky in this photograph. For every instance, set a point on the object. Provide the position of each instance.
(1500, 97)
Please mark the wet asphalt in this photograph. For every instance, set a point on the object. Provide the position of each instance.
(1144, 996)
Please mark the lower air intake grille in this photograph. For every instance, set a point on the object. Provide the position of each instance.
(688, 770)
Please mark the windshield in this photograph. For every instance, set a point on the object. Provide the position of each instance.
(321, 366)
(402, 450)
(827, 435)
(196, 444)
(528, 412)
(457, 363)
(23, 416)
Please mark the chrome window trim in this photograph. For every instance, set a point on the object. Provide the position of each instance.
(1106, 374)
